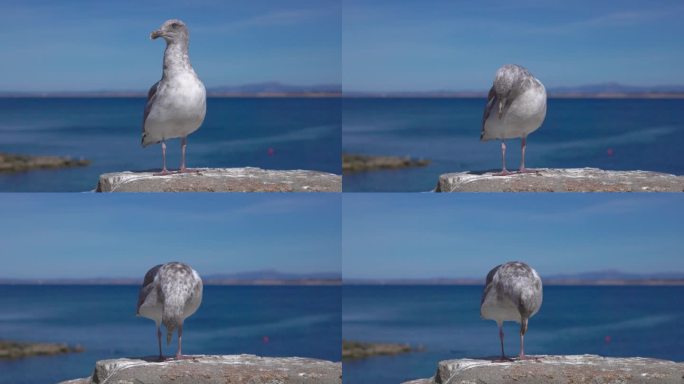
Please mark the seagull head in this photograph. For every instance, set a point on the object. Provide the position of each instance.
(172, 30)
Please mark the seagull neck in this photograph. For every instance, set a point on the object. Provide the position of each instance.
(176, 58)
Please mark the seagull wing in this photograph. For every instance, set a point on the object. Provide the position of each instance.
(488, 283)
(491, 104)
(151, 96)
(147, 285)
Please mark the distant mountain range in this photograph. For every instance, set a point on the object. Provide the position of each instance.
(276, 89)
(265, 89)
(604, 90)
(273, 88)
(261, 277)
(605, 277)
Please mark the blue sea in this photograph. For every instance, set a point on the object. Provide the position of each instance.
(274, 133)
(609, 321)
(267, 321)
(617, 134)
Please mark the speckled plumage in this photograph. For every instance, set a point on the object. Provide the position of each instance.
(169, 294)
(513, 292)
(176, 104)
(516, 107)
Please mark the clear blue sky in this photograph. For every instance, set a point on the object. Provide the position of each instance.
(123, 235)
(458, 45)
(93, 45)
(465, 235)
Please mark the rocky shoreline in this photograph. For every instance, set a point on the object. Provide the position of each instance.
(22, 163)
(363, 163)
(18, 350)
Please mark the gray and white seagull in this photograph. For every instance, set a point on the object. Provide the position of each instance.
(169, 294)
(516, 107)
(513, 292)
(176, 104)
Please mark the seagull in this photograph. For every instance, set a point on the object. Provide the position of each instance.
(176, 104)
(516, 107)
(513, 292)
(169, 294)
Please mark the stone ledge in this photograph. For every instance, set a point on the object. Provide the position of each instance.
(562, 180)
(222, 180)
(558, 369)
(207, 369)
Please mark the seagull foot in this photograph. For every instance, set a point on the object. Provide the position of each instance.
(502, 359)
(526, 357)
(188, 170)
(183, 357)
(164, 172)
(528, 170)
(504, 172)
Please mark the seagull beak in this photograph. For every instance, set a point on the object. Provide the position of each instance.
(155, 34)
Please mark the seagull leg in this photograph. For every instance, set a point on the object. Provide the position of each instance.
(523, 330)
(161, 357)
(184, 144)
(501, 337)
(179, 355)
(504, 171)
(503, 357)
(180, 341)
(523, 145)
(164, 171)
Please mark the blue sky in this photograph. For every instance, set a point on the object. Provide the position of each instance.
(465, 235)
(93, 45)
(123, 235)
(458, 45)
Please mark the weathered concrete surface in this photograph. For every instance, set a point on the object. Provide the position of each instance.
(222, 180)
(544, 369)
(205, 369)
(562, 180)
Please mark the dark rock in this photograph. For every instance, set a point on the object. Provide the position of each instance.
(361, 163)
(360, 350)
(222, 180)
(21, 163)
(205, 369)
(17, 350)
(562, 180)
(558, 369)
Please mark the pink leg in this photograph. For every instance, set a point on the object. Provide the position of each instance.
(179, 354)
(184, 144)
(504, 171)
(164, 171)
(523, 145)
(161, 356)
(503, 357)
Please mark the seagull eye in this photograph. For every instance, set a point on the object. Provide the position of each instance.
(175, 25)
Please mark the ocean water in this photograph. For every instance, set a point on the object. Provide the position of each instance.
(609, 321)
(614, 134)
(267, 321)
(274, 133)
